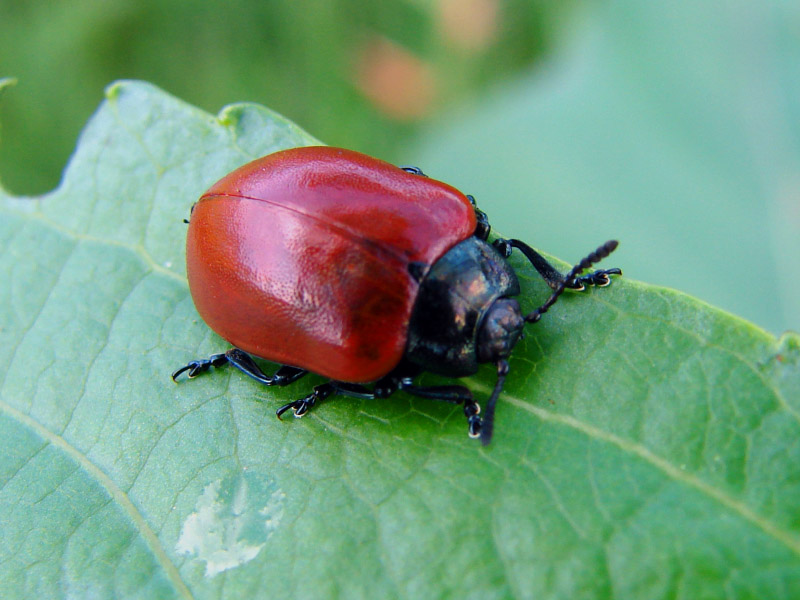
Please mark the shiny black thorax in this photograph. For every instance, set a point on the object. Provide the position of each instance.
(454, 298)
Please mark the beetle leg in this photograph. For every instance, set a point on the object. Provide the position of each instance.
(245, 363)
(600, 277)
(413, 170)
(482, 227)
(202, 365)
(549, 273)
(599, 254)
(356, 390)
(190, 213)
(302, 406)
(456, 394)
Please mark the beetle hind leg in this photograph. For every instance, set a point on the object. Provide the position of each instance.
(196, 367)
(245, 363)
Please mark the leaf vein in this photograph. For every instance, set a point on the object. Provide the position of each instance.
(768, 527)
(113, 490)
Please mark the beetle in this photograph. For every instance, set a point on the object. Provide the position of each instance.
(329, 261)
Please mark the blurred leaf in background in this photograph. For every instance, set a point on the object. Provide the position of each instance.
(357, 73)
(672, 126)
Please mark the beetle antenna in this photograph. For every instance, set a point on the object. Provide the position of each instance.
(587, 262)
(488, 418)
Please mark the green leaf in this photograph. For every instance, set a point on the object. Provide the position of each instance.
(647, 444)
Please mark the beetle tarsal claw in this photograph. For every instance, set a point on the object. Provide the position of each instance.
(194, 369)
(283, 409)
(299, 408)
(599, 278)
(475, 424)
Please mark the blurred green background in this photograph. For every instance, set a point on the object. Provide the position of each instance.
(674, 127)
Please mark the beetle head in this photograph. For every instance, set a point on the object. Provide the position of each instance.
(499, 331)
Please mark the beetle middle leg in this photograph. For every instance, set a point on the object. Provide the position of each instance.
(320, 392)
(482, 226)
(303, 405)
(245, 363)
(549, 273)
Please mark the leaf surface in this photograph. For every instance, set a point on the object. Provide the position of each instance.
(647, 444)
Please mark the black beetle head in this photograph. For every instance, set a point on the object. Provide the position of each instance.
(499, 331)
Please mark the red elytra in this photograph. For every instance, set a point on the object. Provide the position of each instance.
(302, 257)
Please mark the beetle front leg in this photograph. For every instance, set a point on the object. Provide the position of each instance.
(456, 394)
(548, 272)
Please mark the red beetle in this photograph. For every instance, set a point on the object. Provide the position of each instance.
(329, 261)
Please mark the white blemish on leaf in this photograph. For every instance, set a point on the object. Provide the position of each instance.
(233, 519)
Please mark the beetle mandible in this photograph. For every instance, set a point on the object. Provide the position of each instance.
(329, 261)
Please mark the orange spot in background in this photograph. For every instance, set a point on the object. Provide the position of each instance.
(400, 84)
(469, 25)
